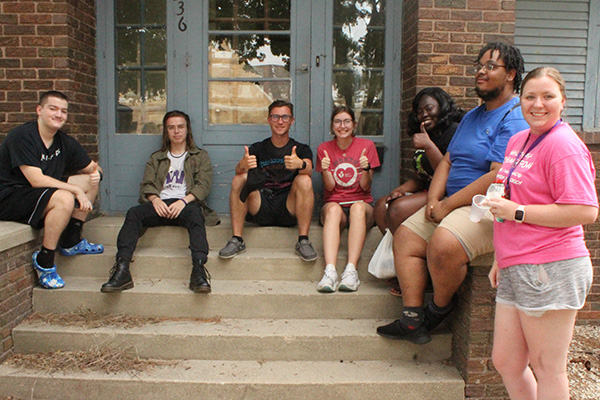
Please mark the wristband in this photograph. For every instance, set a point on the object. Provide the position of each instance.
(184, 202)
(101, 175)
(368, 168)
(303, 166)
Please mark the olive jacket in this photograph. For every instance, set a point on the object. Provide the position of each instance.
(198, 178)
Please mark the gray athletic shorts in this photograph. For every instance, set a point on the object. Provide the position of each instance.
(537, 288)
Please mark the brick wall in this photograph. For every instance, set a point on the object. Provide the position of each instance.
(47, 45)
(17, 280)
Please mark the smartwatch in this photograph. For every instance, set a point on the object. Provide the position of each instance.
(303, 166)
(520, 214)
(368, 168)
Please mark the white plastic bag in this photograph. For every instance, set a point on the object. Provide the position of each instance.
(382, 262)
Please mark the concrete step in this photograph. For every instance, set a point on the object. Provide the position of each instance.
(236, 339)
(106, 229)
(246, 379)
(229, 299)
(175, 263)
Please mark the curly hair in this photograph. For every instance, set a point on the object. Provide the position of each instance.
(449, 111)
(511, 56)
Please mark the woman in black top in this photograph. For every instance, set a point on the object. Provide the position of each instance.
(431, 123)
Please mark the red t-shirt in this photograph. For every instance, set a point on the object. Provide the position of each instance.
(345, 166)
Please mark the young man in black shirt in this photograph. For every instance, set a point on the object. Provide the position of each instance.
(48, 180)
(272, 185)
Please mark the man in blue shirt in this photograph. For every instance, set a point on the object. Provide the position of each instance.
(439, 240)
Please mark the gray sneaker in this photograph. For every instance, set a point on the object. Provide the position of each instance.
(232, 248)
(305, 250)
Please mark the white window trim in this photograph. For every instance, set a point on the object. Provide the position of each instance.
(591, 103)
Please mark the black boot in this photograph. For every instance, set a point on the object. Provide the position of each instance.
(200, 278)
(120, 277)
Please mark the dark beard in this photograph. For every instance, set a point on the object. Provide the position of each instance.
(489, 94)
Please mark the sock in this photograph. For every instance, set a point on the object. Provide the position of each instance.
(330, 267)
(301, 237)
(350, 267)
(440, 310)
(45, 258)
(72, 233)
(412, 317)
(238, 238)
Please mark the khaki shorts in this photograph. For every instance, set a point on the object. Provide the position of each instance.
(476, 238)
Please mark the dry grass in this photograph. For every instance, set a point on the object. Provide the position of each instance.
(110, 361)
(89, 319)
(584, 363)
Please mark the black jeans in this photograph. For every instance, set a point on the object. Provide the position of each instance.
(144, 216)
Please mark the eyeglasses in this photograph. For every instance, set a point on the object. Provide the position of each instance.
(173, 128)
(489, 67)
(346, 122)
(284, 118)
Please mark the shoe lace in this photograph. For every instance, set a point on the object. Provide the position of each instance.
(349, 274)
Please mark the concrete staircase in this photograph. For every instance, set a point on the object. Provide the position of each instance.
(263, 333)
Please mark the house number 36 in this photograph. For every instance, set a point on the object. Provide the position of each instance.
(181, 14)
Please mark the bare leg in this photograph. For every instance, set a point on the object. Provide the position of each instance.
(56, 216)
(361, 216)
(379, 213)
(334, 220)
(301, 202)
(237, 209)
(447, 263)
(411, 268)
(91, 191)
(548, 338)
(511, 354)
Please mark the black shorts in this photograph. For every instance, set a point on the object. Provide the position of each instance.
(273, 210)
(25, 204)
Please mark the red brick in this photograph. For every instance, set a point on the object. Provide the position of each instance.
(18, 8)
(484, 4)
(35, 19)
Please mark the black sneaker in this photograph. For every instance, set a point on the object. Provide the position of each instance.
(433, 318)
(200, 278)
(305, 250)
(399, 331)
(232, 248)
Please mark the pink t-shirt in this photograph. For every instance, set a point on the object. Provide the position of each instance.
(346, 169)
(558, 170)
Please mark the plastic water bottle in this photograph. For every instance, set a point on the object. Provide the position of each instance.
(496, 191)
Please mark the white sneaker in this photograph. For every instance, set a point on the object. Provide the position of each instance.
(329, 282)
(350, 281)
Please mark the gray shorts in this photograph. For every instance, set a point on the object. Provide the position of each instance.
(537, 288)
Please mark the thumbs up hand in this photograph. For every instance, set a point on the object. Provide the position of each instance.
(292, 161)
(421, 139)
(325, 162)
(364, 161)
(248, 161)
(95, 175)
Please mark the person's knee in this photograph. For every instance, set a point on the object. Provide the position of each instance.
(505, 363)
(445, 249)
(547, 366)
(358, 211)
(303, 184)
(332, 210)
(238, 182)
(62, 200)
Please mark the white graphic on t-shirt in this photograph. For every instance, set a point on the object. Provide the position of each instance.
(345, 174)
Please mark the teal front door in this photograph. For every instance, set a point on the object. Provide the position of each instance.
(224, 61)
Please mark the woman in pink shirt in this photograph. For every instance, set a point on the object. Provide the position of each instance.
(346, 164)
(542, 268)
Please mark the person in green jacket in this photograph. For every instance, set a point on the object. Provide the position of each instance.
(176, 183)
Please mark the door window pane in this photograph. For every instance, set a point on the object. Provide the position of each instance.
(358, 61)
(248, 70)
(141, 48)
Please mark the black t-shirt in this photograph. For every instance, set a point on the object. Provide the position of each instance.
(421, 163)
(24, 146)
(271, 160)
